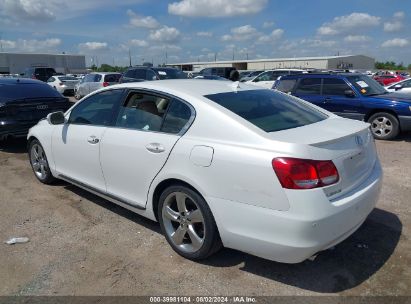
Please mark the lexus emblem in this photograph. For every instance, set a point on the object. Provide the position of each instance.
(42, 107)
(359, 141)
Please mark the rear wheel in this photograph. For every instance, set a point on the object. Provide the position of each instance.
(187, 223)
(39, 163)
(384, 125)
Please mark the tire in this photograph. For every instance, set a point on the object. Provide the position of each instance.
(384, 125)
(187, 223)
(39, 163)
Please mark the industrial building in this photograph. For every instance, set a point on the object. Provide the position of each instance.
(353, 62)
(16, 63)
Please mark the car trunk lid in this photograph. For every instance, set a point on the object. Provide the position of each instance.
(35, 109)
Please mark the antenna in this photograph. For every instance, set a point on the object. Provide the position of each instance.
(1, 42)
(129, 56)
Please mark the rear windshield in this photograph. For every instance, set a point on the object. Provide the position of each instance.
(29, 91)
(67, 78)
(269, 110)
(170, 74)
(112, 77)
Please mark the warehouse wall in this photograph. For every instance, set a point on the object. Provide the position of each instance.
(359, 62)
(17, 63)
(281, 64)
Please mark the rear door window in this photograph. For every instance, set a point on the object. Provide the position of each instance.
(268, 110)
(309, 86)
(112, 77)
(177, 117)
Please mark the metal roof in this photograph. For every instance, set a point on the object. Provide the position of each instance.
(268, 60)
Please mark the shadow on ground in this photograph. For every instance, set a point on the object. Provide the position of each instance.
(346, 266)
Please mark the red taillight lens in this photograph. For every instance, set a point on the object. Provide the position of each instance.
(294, 173)
(105, 84)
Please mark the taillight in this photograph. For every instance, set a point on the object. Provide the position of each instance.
(294, 173)
(105, 84)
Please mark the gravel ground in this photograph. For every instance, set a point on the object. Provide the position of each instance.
(81, 244)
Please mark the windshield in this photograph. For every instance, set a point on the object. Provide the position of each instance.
(171, 74)
(366, 85)
(269, 110)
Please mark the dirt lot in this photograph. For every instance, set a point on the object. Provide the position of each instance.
(81, 244)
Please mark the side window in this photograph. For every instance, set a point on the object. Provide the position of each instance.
(89, 78)
(111, 78)
(51, 79)
(334, 86)
(97, 109)
(406, 84)
(177, 117)
(142, 111)
(97, 78)
(267, 76)
(206, 71)
(286, 85)
(151, 75)
(309, 86)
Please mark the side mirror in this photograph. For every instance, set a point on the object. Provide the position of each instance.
(398, 87)
(56, 118)
(349, 93)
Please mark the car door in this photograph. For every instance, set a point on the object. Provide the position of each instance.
(95, 83)
(76, 144)
(265, 80)
(309, 89)
(336, 99)
(135, 150)
(83, 86)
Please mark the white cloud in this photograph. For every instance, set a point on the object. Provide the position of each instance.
(32, 45)
(357, 38)
(273, 36)
(165, 34)
(8, 44)
(318, 43)
(396, 42)
(216, 8)
(138, 43)
(268, 24)
(343, 24)
(142, 21)
(241, 33)
(396, 24)
(93, 46)
(204, 34)
(38, 11)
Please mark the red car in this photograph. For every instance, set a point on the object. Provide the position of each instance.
(388, 79)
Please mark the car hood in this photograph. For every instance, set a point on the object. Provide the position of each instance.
(394, 96)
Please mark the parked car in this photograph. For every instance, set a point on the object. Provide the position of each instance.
(272, 175)
(63, 84)
(210, 77)
(403, 87)
(216, 71)
(23, 102)
(250, 75)
(94, 81)
(143, 73)
(388, 79)
(353, 96)
(39, 73)
(268, 78)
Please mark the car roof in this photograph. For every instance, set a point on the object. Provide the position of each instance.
(325, 75)
(15, 81)
(102, 73)
(190, 87)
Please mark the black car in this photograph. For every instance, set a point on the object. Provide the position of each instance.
(39, 73)
(23, 102)
(143, 73)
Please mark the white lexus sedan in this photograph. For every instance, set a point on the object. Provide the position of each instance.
(217, 164)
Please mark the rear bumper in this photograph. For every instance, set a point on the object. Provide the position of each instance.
(295, 235)
(405, 123)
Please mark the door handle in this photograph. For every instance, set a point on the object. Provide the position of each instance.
(93, 140)
(327, 99)
(155, 148)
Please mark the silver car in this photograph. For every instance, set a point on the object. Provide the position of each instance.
(95, 81)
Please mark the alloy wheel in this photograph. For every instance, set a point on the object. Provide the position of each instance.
(183, 222)
(39, 161)
(381, 126)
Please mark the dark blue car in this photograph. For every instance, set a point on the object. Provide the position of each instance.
(354, 96)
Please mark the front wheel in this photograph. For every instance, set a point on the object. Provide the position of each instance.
(187, 223)
(39, 163)
(384, 125)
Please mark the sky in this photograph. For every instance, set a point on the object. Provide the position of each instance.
(172, 31)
